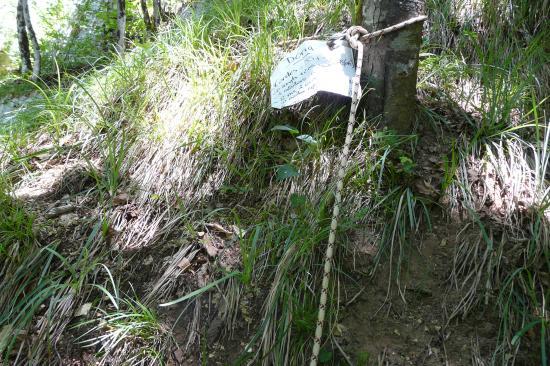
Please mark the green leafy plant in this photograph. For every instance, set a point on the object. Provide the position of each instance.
(407, 165)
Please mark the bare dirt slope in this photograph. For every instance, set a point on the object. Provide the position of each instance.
(411, 325)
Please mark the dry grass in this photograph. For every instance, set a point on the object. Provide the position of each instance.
(182, 128)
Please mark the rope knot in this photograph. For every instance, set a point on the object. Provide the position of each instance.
(354, 34)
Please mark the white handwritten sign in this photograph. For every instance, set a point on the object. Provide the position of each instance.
(311, 68)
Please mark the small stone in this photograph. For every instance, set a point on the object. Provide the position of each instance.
(59, 211)
(68, 219)
(84, 309)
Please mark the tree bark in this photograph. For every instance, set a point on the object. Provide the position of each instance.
(157, 13)
(23, 39)
(391, 62)
(34, 40)
(121, 25)
(146, 17)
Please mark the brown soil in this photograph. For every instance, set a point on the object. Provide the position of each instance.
(410, 326)
(401, 324)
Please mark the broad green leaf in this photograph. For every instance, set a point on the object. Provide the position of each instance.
(290, 129)
(307, 139)
(286, 171)
(325, 356)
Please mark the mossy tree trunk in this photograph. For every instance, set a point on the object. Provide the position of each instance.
(391, 62)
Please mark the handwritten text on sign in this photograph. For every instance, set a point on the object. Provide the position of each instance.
(311, 68)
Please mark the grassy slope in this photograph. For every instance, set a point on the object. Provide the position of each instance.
(181, 131)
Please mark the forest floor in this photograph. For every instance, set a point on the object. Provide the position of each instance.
(383, 319)
(156, 210)
(411, 326)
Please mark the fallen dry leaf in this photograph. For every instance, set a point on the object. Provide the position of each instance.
(121, 199)
(209, 246)
(184, 263)
(425, 188)
(218, 228)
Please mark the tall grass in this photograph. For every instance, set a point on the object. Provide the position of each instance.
(184, 123)
(41, 291)
(16, 224)
(496, 79)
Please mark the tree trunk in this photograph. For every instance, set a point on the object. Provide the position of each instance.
(146, 17)
(23, 39)
(32, 36)
(391, 62)
(157, 13)
(121, 25)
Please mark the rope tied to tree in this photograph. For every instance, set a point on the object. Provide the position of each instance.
(355, 36)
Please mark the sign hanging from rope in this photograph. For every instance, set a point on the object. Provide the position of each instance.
(315, 66)
(311, 68)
